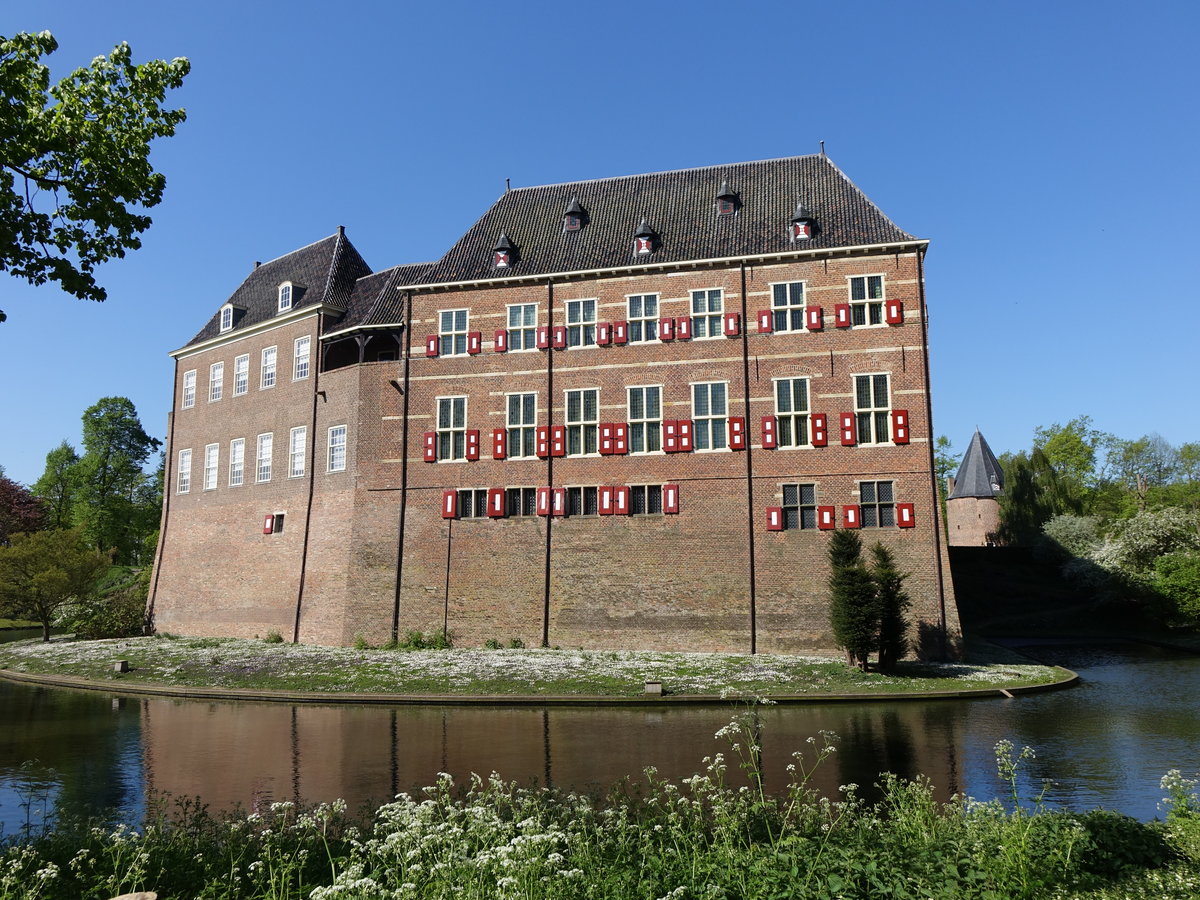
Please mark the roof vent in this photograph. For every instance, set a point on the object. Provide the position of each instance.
(644, 239)
(504, 253)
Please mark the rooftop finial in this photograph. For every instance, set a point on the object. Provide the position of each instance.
(822, 148)
(507, 185)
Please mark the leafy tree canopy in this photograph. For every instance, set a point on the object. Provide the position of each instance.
(42, 572)
(74, 160)
(20, 510)
(58, 484)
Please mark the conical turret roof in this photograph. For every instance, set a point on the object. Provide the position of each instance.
(980, 474)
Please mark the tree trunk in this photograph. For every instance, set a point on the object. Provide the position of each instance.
(45, 631)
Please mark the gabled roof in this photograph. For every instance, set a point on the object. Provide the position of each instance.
(980, 474)
(377, 300)
(681, 208)
(324, 272)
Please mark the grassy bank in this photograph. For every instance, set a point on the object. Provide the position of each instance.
(11, 624)
(235, 663)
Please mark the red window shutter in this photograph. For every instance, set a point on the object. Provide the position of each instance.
(499, 443)
(774, 518)
(473, 444)
(474, 342)
(895, 312)
(768, 432)
(904, 515)
(268, 523)
(605, 494)
(670, 436)
(841, 315)
(558, 440)
(737, 433)
(496, 503)
(543, 337)
(820, 430)
(685, 435)
(604, 334)
(501, 345)
(850, 517)
(543, 501)
(766, 323)
(900, 426)
(733, 324)
(620, 332)
(683, 328)
(558, 501)
(670, 499)
(666, 329)
(621, 438)
(431, 345)
(814, 318)
(542, 441)
(826, 518)
(431, 443)
(449, 504)
(621, 500)
(560, 337)
(606, 438)
(849, 430)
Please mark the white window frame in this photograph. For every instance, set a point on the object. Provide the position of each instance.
(301, 357)
(522, 334)
(867, 307)
(874, 508)
(216, 381)
(651, 425)
(225, 323)
(183, 482)
(335, 459)
(787, 313)
(189, 389)
(267, 374)
(237, 462)
(707, 323)
(521, 435)
(583, 432)
(453, 327)
(876, 417)
(710, 428)
(581, 330)
(264, 450)
(451, 428)
(643, 327)
(791, 423)
(286, 294)
(241, 375)
(297, 448)
(212, 462)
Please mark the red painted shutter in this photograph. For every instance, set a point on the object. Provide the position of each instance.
(766, 322)
(621, 438)
(449, 504)
(684, 427)
(670, 436)
(820, 430)
(558, 440)
(496, 503)
(501, 345)
(499, 443)
(473, 444)
(683, 328)
(606, 438)
(431, 345)
(560, 337)
(670, 499)
(543, 337)
(604, 334)
(737, 433)
(733, 324)
(849, 430)
(542, 441)
(431, 443)
(543, 501)
(620, 332)
(904, 515)
(826, 518)
(666, 329)
(841, 315)
(558, 500)
(814, 318)
(768, 432)
(605, 495)
(474, 342)
(850, 517)
(895, 312)
(900, 426)
(268, 523)
(774, 518)
(621, 500)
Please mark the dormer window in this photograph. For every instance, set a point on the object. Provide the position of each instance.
(726, 200)
(226, 317)
(573, 216)
(504, 253)
(285, 296)
(802, 224)
(643, 239)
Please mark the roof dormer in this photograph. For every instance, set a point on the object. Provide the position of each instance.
(285, 296)
(228, 317)
(573, 216)
(644, 239)
(504, 254)
(727, 200)
(802, 224)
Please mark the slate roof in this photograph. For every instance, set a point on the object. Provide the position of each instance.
(980, 474)
(324, 272)
(375, 299)
(680, 207)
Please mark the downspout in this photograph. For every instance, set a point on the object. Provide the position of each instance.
(749, 467)
(549, 462)
(168, 473)
(312, 478)
(403, 469)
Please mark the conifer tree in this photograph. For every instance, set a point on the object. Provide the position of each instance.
(894, 602)
(853, 603)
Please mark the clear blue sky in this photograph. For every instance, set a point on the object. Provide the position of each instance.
(1047, 149)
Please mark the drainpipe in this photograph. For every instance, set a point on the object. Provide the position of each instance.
(403, 469)
(549, 463)
(312, 479)
(749, 467)
(168, 474)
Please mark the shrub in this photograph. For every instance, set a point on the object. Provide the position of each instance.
(117, 610)
(1177, 578)
(1068, 536)
(273, 637)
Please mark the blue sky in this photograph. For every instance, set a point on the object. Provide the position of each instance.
(1046, 149)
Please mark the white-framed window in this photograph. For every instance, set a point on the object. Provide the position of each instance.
(216, 381)
(452, 332)
(799, 506)
(643, 318)
(877, 504)
(872, 407)
(709, 411)
(237, 462)
(522, 326)
(645, 499)
(183, 482)
(263, 458)
(212, 459)
(300, 356)
(241, 374)
(787, 306)
(285, 296)
(866, 300)
(791, 412)
(707, 309)
(337, 449)
(522, 425)
(581, 323)
(583, 421)
(267, 379)
(297, 445)
(226, 321)
(645, 419)
(189, 389)
(583, 501)
(452, 428)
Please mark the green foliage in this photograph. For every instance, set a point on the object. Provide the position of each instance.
(1135, 544)
(117, 609)
(43, 572)
(1071, 450)
(74, 159)
(853, 600)
(58, 485)
(893, 603)
(273, 637)
(1068, 536)
(1033, 494)
(1177, 578)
